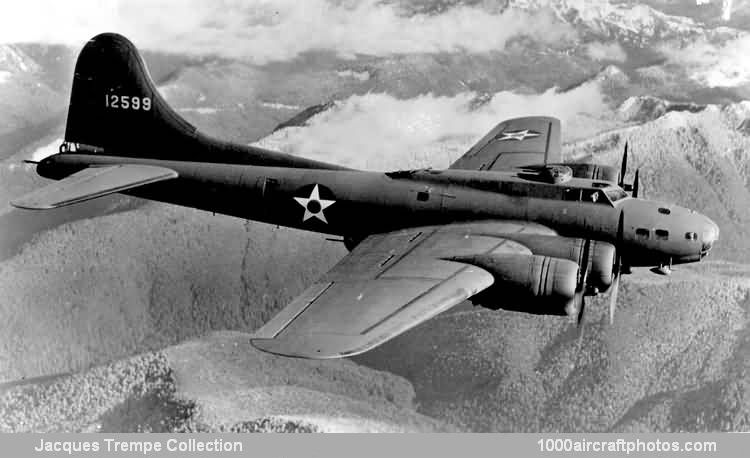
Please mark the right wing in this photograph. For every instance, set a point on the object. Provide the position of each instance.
(518, 142)
(93, 182)
(388, 284)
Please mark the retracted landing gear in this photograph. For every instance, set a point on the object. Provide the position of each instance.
(663, 268)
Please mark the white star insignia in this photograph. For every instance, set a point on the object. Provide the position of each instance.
(314, 205)
(519, 135)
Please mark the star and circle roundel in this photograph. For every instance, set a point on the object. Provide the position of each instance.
(517, 135)
(313, 201)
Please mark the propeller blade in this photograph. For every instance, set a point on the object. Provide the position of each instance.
(581, 309)
(636, 183)
(624, 166)
(584, 264)
(617, 268)
(581, 288)
(581, 324)
(613, 298)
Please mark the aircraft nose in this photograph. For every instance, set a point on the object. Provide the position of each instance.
(709, 235)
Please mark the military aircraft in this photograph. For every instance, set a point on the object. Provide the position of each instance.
(508, 225)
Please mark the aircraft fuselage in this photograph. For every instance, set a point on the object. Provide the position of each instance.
(354, 204)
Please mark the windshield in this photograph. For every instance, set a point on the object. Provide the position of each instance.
(616, 194)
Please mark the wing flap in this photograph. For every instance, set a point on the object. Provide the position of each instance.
(93, 182)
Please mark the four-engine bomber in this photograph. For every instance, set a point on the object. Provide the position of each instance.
(508, 225)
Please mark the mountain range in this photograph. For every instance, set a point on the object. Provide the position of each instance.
(125, 315)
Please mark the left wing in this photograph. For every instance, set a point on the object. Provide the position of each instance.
(388, 284)
(517, 142)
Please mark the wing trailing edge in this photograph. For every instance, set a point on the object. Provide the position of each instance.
(93, 182)
(395, 306)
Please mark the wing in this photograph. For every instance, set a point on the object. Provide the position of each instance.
(93, 182)
(518, 142)
(388, 284)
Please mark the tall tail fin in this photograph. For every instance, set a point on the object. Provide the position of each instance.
(115, 109)
(115, 106)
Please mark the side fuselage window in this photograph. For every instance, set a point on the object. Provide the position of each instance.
(643, 233)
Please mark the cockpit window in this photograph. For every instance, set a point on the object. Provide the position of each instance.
(691, 236)
(590, 196)
(664, 211)
(662, 234)
(573, 194)
(596, 196)
(616, 194)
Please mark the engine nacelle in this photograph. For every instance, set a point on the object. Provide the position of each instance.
(601, 254)
(527, 283)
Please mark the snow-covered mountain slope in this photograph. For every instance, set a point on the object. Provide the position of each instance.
(625, 21)
(168, 276)
(83, 291)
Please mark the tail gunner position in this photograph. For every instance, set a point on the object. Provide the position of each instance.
(508, 225)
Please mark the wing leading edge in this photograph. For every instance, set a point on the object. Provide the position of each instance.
(518, 142)
(93, 182)
(385, 286)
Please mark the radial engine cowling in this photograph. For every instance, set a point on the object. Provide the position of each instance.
(601, 258)
(527, 283)
(601, 263)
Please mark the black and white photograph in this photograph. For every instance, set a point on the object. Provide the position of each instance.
(422, 216)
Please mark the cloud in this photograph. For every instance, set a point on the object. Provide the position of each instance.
(725, 65)
(606, 51)
(381, 132)
(726, 8)
(46, 150)
(263, 31)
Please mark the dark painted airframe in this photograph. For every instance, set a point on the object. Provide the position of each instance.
(508, 225)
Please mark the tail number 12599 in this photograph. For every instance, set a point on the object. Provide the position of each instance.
(126, 102)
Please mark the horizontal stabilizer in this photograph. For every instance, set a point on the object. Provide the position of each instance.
(91, 183)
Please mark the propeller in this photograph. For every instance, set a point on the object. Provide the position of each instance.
(580, 297)
(635, 185)
(581, 288)
(615, 289)
(624, 167)
(617, 268)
